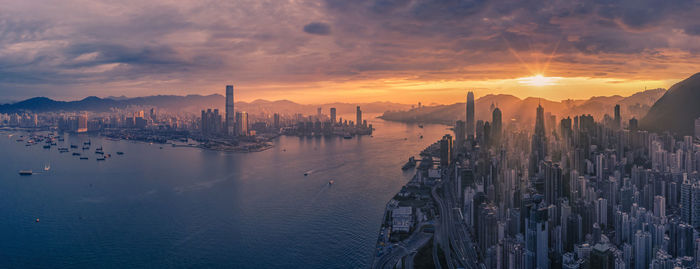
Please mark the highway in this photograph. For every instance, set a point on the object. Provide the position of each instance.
(452, 232)
(405, 248)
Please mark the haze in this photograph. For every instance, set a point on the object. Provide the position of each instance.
(338, 50)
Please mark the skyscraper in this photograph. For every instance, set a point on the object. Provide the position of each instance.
(242, 123)
(459, 136)
(470, 115)
(617, 119)
(333, 115)
(445, 151)
(538, 149)
(496, 127)
(358, 123)
(230, 130)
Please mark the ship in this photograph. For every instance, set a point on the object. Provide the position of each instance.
(25, 172)
(347, 136)
(83, 158)
(120, 153)
(101, 159)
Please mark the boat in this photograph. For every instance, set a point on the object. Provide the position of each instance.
(410, 164)
(47, 146)
(99, 148)
(306, 173)
(420, 125)
(86, 147)
(99, 152)
(421, 137)
(83, 158)
(120, 153)
(47, 167)
(101, 159)
(87, 142)
(330, 182)
(25, 172)
(73, 146)
(76, 153)
(347, 136)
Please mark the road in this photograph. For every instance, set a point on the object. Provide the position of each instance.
(452, 232)
(406, 248)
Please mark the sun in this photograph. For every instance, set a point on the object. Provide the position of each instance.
(539, 80)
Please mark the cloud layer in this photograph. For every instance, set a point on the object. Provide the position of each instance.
(74, 48)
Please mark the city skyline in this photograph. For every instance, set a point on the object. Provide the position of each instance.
(359, 50)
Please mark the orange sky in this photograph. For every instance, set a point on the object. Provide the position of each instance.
(316, 51)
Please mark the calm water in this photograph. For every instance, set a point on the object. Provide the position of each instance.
(187, 207)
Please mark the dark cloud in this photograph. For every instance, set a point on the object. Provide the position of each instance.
(317, 28)
(154, 44)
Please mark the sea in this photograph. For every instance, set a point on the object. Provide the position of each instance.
(162, 206)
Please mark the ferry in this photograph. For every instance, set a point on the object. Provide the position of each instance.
(99, 152)
(47, 146)
(73, 146)
(101, 159)
(86, 147)
(25, 172)
(83, 158)
(120, 153)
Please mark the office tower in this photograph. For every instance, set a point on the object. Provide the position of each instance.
(82, 123)
(496, 127)
(599, 166)
(318, 113)
(538, 149)
(553, 182)
(333, 115)
(601, 211)
(697, 128)
(445, 151)
(470, 115)
(276, 122)
(241, 123)
(459, 136)
(617, 119)
(230, 116)
(358, 121)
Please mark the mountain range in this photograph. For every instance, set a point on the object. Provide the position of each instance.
(523, 110)
(191, 104)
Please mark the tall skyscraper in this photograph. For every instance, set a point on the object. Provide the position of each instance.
(470, 115)
(496, 127)
(538, 149)
(459, 136)
(617, 119)
(553, 182)
(276, 122)
(333, 115)
(697, 128)
(230, 116)
(358, 123)
(445, 151)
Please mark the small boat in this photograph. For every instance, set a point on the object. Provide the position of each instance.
(347, 136)
(83, 158)
(47, 167)
(420, 125)
(306, 173)
(101, 159)
(99, 152)
(421, 137)
(86, 148)
(330, 182)
(47, 146)
(99, 148)
(87, 142)
(120, 153)
(37, 220)
(76, 153)
(25, 172)
(73, 146)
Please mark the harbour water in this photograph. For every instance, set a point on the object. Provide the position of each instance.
(188, 207)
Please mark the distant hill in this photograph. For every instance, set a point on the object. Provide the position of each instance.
(523, 110)
(676, 110)
(191, 104)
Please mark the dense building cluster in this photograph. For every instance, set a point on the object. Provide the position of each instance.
(584, 193)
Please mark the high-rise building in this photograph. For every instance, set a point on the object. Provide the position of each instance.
(617, 119)
(470, 115)
(358, 121)
(445, 151)
(333, 115)
(553, 182)
(210, 123)
(459, 136)
(634, 124)
(276, 122)
(242, 123)
(538, 149)
(697, 128)
(496, 127)
(659, 207)
(230, 116)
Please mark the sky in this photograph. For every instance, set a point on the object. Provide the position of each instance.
(408, 51)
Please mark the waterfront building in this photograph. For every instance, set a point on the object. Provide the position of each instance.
(230, 116)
